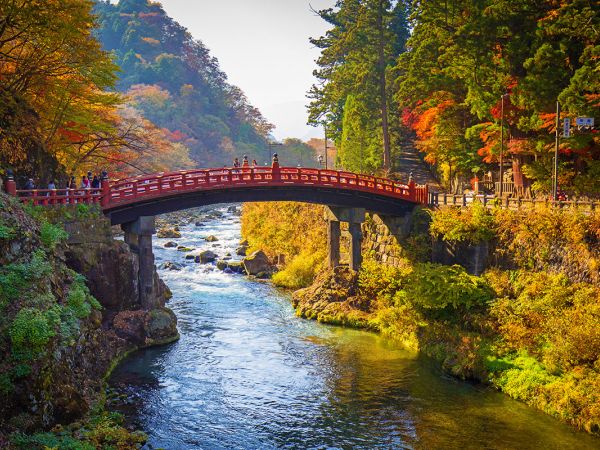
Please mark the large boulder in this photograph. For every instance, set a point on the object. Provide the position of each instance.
(169, 233)
(211, 238)
(170, 266)
(257, 263)
(206, 257)
(230, 266)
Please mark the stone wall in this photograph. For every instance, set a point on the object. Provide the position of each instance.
(382, 235)
(392, 238)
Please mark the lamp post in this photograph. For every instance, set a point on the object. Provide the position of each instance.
(326, 146)
(271, 145)
(501, 190)
(556, 145)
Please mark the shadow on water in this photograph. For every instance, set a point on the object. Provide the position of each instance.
(248, 374)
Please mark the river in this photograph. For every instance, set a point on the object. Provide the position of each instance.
(248, 374)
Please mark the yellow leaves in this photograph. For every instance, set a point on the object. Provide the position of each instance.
(151, 41)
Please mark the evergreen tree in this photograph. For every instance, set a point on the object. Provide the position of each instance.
(357, 57)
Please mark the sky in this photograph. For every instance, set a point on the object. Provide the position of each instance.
(263, 47)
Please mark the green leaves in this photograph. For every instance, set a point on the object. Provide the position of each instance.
(433, 286)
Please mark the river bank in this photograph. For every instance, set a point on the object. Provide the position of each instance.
(527, 326)
(248, 373)
(71, 310)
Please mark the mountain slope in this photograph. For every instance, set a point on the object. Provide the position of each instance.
(175, 82)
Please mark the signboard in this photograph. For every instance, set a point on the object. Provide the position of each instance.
(585, 122)
(567, 127)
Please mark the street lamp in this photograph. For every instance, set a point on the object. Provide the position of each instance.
(271, 145)
(501, 190)
(320, 159)
(326, 146)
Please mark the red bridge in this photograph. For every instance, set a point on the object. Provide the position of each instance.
(134, 202)
(126, 200)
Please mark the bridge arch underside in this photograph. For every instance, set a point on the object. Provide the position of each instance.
(375, 203)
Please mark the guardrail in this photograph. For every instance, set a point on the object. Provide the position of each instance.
(131, 190)
(437, 199)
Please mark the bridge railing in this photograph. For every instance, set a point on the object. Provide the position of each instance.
(46, 197)
(133, 189)
(142, 187)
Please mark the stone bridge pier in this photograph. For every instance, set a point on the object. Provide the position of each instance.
(138, 235)
(354, 217)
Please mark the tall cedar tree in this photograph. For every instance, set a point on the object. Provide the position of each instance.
(355, 69)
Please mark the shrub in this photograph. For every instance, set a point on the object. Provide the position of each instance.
(51, 235)
(30, 332)
(436, 287)
(300, 271)
(472, 225)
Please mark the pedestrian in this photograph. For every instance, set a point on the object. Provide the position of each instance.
(236, 163)
(245, 161)
(30, 186)
(51, 187)
(95, 182)
(85, 183)
(254, 163)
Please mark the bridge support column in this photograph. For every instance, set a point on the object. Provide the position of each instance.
(355, 244)
(138, 235)
(354, 217)
(333, 241)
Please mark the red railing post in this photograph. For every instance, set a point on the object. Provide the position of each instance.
(11, 185)
(105, 195)
(412, 191)
(276, 173)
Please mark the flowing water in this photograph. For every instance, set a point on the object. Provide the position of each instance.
(248, 374)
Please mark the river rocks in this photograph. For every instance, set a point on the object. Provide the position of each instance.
(205, 257)
(169, 265)
(242, 249)
(170, 233)
(160, 326)
(199, 224)
(331, 293)
(170, 244)
(190, 256)
(211, 238)
(257, 263)
(184, 249)
(230, 266)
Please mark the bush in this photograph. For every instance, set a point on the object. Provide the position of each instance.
(300, 271)
(436, 287)
(472, 225)
(51, 235)
(30, 332)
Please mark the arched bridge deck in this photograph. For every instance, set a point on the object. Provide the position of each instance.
(126, 200)
(134, 202)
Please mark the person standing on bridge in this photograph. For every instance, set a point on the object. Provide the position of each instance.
(85, 183)
(254, 163)
(96, 182)
(245, 161)
(30, 186)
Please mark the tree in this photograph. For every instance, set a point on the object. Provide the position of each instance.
(357, 57)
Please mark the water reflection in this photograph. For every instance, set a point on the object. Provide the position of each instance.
(248, 374)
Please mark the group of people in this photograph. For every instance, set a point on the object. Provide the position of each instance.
(89, 181)
(245, 163)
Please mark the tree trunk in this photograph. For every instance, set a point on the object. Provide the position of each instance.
(387, 155)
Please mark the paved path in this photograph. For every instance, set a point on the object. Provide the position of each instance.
(410, 161)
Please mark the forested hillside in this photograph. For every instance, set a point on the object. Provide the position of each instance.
(59, 113)
(176, 83)
(444, 83)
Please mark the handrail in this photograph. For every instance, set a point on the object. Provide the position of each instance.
(143, 187)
